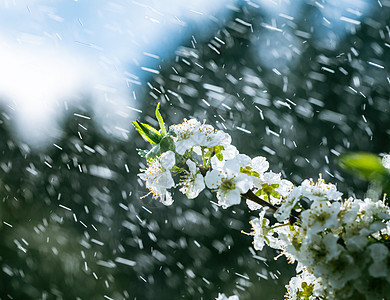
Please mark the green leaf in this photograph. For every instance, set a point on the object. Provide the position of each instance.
(219, 155)
(167, 144)
(160, 120)
(366, 165)
(218, 152)
(149, 134)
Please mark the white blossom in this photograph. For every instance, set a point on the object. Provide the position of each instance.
(158, 178)
(375, 209)
(229, 183)
(209, 137)
(349, 210)
(281, 186)
(319, 190)
(320, 216)
(193, 182)
(260, 230)
(233, 160)
(187, 135)
(304, 280)
(192, 133)
(341, 270)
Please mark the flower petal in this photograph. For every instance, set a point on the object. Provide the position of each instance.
(229, 198)
(191, 166)
(168, 160)
(213, 179)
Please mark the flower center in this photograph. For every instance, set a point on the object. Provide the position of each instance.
(227, 185)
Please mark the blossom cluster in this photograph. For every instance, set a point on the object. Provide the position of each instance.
(204, 157)
(341, 246)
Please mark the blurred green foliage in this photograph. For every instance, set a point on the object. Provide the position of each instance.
(369, 167)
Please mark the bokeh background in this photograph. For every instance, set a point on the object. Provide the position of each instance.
(299, 82)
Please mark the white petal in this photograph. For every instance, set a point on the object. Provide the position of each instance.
(243, 160)
(218, 138)
(232, 165)
(285, 186)
(356, 243)
(191, 166)
(259, 164)
(168, 160)
(224, 297)
(229, 152)
(166, 199)
(216, 163)
(378, 269)
(166, 180)
(243, 183)
(197, 187)
(182, 146)
(272, 178)
(213, 179)
(199, 183)
(229, 198)
(198, 150)
(378, 251)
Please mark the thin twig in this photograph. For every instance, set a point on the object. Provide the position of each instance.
(251, 196)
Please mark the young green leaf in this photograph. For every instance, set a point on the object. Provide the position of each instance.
(149, 134)
(167, 144)
(160, 120)
(219, 155)
(218, 152)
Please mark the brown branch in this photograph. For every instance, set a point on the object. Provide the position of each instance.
(251, 196)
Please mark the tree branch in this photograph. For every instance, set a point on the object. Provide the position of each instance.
(251, 196)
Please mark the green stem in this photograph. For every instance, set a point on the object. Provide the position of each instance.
(203, 158)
